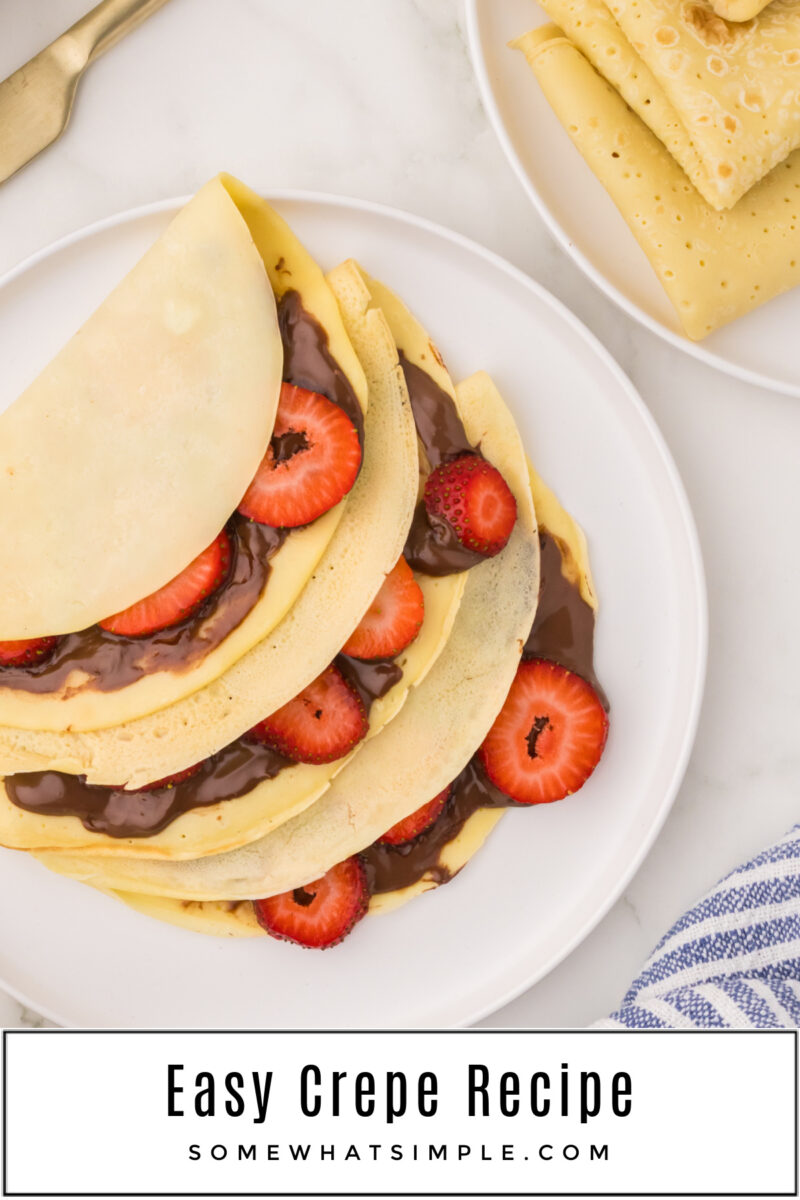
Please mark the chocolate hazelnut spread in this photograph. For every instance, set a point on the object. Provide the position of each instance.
(105, 662)
(232, 772)
(102, 661)
(563, 632)
(308, 362)
(390, 868)
(563, 629)
(432, 546)
(439, 426)
(371, 680)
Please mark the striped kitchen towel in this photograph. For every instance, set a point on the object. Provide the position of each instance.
(732, 961)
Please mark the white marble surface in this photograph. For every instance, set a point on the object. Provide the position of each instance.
(376, 98)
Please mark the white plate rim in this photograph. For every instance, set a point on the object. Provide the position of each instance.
(628, 306)
(683, 514)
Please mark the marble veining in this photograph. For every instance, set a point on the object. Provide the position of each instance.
(376, 98)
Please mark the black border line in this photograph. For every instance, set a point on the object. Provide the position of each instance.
(9, 1033)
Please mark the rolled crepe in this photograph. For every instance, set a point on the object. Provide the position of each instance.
(590, 25)
(714, 266)
(722, 97)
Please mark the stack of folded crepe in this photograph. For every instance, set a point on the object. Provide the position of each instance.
(688, 113)
(291, 728)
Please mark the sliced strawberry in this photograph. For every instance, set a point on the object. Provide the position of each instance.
(177, 599)
(475, 499)
(25, 652)
(170, 780)
(310, 464)
(322, 913)
(320, 725)
(411, 827)
(393, 619)
(548, 737)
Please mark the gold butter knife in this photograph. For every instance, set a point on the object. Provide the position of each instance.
(36, 101)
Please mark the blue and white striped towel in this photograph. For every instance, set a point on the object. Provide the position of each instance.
(732, 961)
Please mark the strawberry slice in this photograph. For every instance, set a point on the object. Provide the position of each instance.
(311, 463)
(411, 827)
(177, 599)
(26, 651)
(322, 913)
(170, 780)
(475, 500)
(549, 735)
(393, 619)
(320, 725)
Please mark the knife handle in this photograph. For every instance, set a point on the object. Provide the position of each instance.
(107, 22)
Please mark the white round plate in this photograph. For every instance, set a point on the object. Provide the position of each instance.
(759, 348)
(547, 875)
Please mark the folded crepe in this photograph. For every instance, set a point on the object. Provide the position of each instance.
(235, 819)
(124, 459)
(365, 546)
(714, 266)
(723, 97)
(427, 744)
(221, 918)
(92, 680)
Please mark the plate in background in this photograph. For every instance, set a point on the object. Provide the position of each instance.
(758, 348)
(547, 875)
